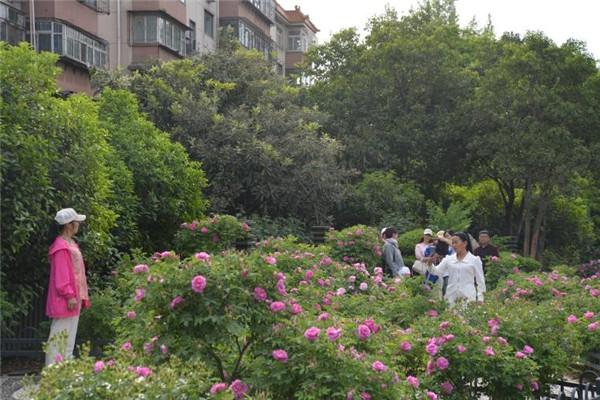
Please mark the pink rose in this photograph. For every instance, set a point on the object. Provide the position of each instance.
(444, 325)
(204, 230)
(309, 274)
(489, 351)
(594, 292)
(131, 314)
(99, 366)
(502, 341)
(280, 355)
(485, 339)
(340, 292)
(260, 294)
(176, 301)
(520, 355)
(460, 348)
(245, 226)
(494, 258)
(198, 283)
(571, 319)
(202, 256)
(432, 313)
(164, 349)
(442, 363)
(378, 366)
(372, 326)
(588, 315)
(333, 333)
(365, 396)
(447, 387)
(363, 286)
(535, 386)
(363, 332)
(432, 396)
(140, 268)
(296, 309)
(239, 389)
(312, 333)
(139, 294)
(323, 316)
(593, 326)
(352, 279)
(326, 261)
(412, 381)
(405, 346)
(280, 286)
(431, 349)
(218, 387)
(270, 260)
(277, 306)
(143, 371)
(126, 346)
(528, 350)
(59, 358)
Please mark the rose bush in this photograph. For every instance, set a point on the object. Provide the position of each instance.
(356, 244)
(212, 234)
(290, 321)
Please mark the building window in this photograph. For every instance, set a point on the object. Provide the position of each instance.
(190, 40)
(209, 24)
(266, 7)
(297, 40)
(252, 39)
(98, 5)
(154, 29)
(12, 24)
(280, 38)
(69, 42)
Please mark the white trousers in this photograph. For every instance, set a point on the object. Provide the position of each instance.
(61, 344)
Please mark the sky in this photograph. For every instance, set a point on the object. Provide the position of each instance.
(558, 19)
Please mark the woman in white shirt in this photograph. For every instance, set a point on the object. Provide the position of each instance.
(465, 273)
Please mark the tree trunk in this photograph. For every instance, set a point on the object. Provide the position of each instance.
(525, 219)
(539, 218)
(507, 191)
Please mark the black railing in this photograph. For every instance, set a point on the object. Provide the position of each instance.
(572, 391)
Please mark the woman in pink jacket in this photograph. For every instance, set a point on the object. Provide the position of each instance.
(67, 289)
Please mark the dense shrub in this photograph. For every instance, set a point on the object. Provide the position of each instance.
(264, 227)
(212, 234)
(356, 244)
(508, 263)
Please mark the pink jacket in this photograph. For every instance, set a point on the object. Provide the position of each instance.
(62, 285)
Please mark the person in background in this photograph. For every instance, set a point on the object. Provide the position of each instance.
(67, 288)
(394, 264)
(421, 263)
(485, 249)
(465, 272)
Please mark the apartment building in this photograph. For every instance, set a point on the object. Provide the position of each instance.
(264, 25)
(130, 34)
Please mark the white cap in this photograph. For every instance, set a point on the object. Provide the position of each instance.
(382, 231)
(67, 215)
(428, 232)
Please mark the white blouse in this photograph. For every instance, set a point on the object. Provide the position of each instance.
(462, 276)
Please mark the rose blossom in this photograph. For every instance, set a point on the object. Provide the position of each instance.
(520, 355)
(202, 256)
(405, 346)
(372, 326)
(431, 349)
(323, 316)
(341, 291)
(378, 366)
(260, 294)
(527, 350)
(588, 315)
(309, 274)
(176, 301)
(489, 351)
(363, 332)
(270, 260)
(444, 325)
(139, 294)
(442, 363)
(204, 230)
(218, 387)
(363, 286)
(312, 333)
(571, 319)
(447, 387)
(198, 283)
(99, 366)
(460, 348)
(143, 371)
(239, 389)
(432, 396)
(592, 327)
(126, 346)
(280, 355)
(412, 381)
(333, 333)
(138, 269)
(296, 309)
(131, 314)
(277, 306)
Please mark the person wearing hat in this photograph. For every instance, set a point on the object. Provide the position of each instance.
(67, 287)
(421, 263)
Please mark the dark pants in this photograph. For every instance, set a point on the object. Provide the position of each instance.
(445, 286)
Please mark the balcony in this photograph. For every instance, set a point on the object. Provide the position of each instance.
(70, 43)
(174, 8)
(265, 7)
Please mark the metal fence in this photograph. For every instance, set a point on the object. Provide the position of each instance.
(572, 391)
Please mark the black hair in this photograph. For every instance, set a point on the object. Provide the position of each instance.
(442, 248)
(389, 232)
(465, 238)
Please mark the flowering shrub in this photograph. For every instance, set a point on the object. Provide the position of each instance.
(498, 268)
(589, 268)
(212, 234)
(356, 244)
(290, 321)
